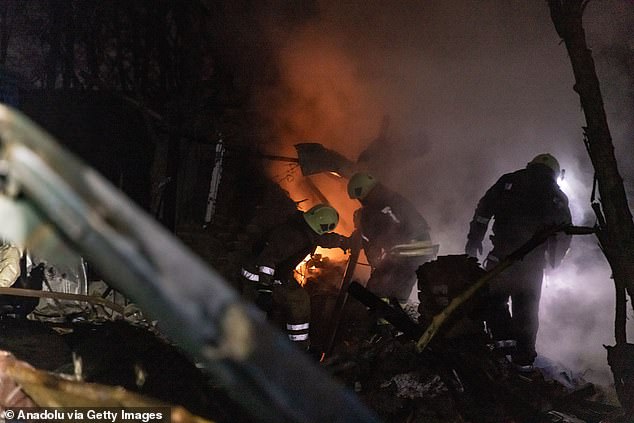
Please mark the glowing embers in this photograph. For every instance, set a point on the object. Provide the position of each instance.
(324, 266)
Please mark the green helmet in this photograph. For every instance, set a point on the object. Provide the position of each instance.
(547, 160)
(322, 218)
(360, 185)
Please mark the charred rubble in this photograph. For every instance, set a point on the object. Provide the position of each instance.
(459, 377)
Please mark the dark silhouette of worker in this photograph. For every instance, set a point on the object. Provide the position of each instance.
(395, 237)
(521, 204)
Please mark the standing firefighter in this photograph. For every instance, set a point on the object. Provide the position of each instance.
(395, 237)
(521, 203)
(269, 277)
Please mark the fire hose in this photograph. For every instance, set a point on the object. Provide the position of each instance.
(537, 239)
(415, 249)
(401, 321)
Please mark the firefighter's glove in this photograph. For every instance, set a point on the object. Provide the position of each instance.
(345, 243)
(477, 229)
(473, 248)
(335, 240)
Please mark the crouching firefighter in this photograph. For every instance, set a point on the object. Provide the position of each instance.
(268, 279)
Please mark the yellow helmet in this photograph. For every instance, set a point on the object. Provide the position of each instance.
(322, 218)
(360, 185)
(547, 160)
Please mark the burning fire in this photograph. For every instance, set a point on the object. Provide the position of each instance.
(312, 267)
(322, 188)
(340, 112)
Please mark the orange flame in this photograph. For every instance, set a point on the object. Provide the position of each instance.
(322, 99)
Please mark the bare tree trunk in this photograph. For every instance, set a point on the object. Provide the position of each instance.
(616, 231)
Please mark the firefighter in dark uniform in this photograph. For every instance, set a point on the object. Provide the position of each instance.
(521, 203)
(269, 279)
(395, 237)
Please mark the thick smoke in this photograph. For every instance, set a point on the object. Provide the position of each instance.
(471, 90)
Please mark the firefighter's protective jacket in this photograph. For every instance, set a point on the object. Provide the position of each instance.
(388, 219)
(285, 246)
(522, 203)
(271, 273)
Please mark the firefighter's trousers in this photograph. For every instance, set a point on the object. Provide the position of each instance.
(518, 318)
(293, 306)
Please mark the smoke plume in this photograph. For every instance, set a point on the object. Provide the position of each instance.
(471, 90)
